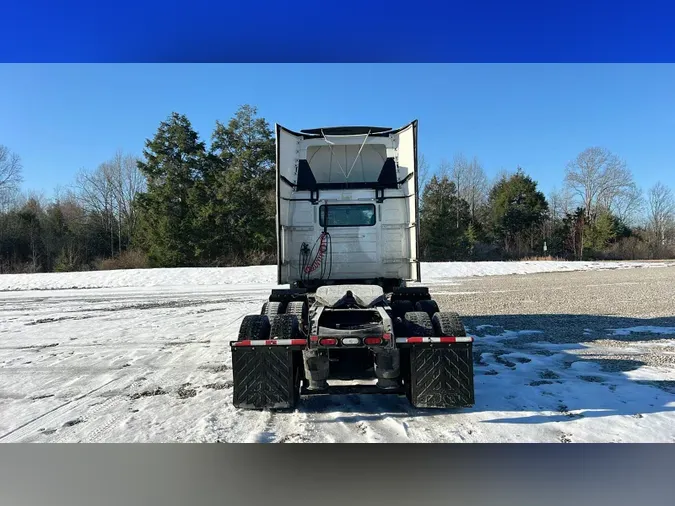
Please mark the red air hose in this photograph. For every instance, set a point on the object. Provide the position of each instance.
(319, 256)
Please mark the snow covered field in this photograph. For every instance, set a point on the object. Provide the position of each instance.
(432, 273)
(124, 356)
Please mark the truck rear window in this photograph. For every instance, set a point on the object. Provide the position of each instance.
(348, 215)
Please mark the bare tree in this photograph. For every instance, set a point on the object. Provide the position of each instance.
(444, 169)
(9, 199)
(10, 177)
(475, 187)
(629, 204)
(599, 178)
(10, 168)
(110, 192)
(561, 202)
(423, 175)
(567, 201)
(555, 204)
(470, 181)
(555, 212)
(127, 182)
(458, 170)
(96, 194)
(458, 174)
(661, 211)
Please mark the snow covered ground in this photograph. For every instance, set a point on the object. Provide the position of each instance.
(432, 273)
(144, 356)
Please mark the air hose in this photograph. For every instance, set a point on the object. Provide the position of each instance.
(323, 246)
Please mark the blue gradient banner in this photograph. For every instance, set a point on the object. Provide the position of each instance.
(346, 31)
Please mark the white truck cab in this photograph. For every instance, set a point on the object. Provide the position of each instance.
(347, 206)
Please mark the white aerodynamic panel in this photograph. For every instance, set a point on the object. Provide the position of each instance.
(406, 147)
(346, 163)
(364, 180)
(288, 144)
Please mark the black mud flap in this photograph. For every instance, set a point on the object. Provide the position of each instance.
(266, 377)
(440, 376)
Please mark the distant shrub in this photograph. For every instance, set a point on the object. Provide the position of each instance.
(18, 268)
(247, 259)
(548, 258)
(130, 259)
(260, 258)
(630, 248)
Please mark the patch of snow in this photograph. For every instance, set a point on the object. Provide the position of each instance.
(434, 273)
(643, 330)
(508, 334)
(265, 275)
(174, 277)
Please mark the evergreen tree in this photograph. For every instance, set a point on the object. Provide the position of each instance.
(441, 212)
(573, 233)
(518, 209)
(605, 231)
(239, 202)
(472, 237)
(173, 161)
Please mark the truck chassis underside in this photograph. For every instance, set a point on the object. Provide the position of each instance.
(288, 352)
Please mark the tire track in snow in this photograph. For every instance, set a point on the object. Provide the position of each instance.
(60, 414)
(94, 422)
(115, 413)
(290, 428)
(358, 418)
(90, 417)
(383, 419)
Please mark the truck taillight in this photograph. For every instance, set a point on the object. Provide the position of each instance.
(372, 340)
(327, 341)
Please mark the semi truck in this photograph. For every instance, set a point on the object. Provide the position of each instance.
(352, 316)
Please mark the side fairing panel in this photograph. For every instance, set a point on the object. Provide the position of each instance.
(406, 142)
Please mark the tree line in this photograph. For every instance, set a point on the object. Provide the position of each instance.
(183, 203)
(599, 213)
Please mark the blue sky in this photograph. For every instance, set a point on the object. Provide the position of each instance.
(60, 118)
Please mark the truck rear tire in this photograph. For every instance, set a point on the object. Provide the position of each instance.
(254, 327)
(298, 309)
(428, 306)
(418, 324)
(448, 325)
(284, 326)
(271, 309)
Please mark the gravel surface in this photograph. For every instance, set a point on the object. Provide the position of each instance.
(575, 311)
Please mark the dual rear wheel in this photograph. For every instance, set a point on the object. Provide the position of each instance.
(275, 321)
(445, 324)
(424, 319)
(262, 327)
